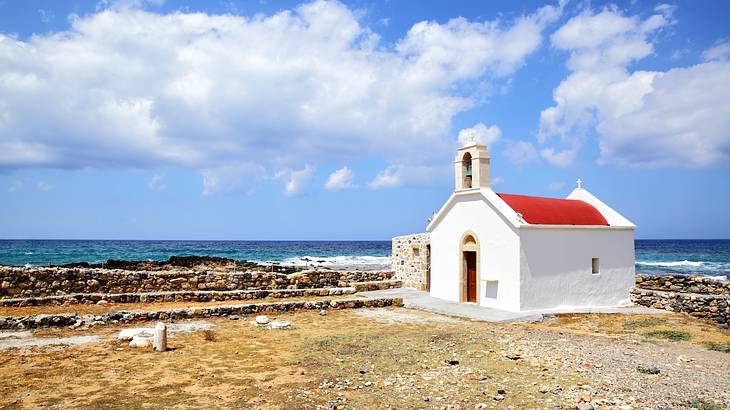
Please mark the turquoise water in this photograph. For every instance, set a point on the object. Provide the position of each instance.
(704, 257)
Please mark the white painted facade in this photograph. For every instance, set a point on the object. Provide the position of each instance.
(522, 266)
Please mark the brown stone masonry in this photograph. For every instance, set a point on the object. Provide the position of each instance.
(697, 296)
(411, 260)
(42, 282)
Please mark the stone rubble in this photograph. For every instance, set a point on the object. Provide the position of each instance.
(75, 320)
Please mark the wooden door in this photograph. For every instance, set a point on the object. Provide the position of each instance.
(471, 276)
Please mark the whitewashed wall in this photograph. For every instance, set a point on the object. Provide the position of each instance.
(556, 267)
(499, 254)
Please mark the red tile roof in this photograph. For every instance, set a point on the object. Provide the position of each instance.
(553, 211)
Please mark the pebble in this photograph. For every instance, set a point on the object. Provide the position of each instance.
(648, 369)
(233, 317)
(498, 397)
(323, 312)
(262, 320)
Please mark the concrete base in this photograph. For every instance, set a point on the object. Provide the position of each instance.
(421, 300)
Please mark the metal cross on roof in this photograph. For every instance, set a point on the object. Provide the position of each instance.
(580, 183)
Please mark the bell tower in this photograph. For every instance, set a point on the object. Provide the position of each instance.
(472, 167)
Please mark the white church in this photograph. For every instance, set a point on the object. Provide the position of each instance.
(518, 252)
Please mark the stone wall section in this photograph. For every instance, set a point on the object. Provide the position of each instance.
(42, 282)
(411, 260)
(696, 296)
(75, 320)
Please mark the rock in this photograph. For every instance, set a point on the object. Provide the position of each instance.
(323, 312)
(501, 391)
(129, 334)
(584, 406)
(647, 369)
(280, 324)
(451, 362)
(498, 397)
(102, 302)
(262, 320)
(159, 342)
(143, 340)
(233, 317)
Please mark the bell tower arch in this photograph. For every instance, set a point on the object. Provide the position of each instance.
(472, 167)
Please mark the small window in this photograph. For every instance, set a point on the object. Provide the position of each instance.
(595, 266)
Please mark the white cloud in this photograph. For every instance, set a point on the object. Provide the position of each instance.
(44, 186)
(157, 183)
(559, 158)
(679, 117)
(481, 134)
(497, 180)
(520, 152)
(390, 177)
(296, 181)
(46, 15)
(340, 179)
(16, 186)
(409, 175)
(721, 52)
(240, 178)
(217, 92)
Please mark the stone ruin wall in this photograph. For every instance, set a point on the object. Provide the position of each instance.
(698, 296)
(411, 260)
(45, 282)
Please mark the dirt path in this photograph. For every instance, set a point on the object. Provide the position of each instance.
(382, 358)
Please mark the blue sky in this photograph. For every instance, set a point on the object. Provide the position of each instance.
(325, 120)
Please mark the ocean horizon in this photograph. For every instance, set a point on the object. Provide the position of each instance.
(707, 257)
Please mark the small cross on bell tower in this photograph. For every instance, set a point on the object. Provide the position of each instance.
(580, 183)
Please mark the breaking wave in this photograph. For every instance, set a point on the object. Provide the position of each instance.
(674, 264)
(334, 261)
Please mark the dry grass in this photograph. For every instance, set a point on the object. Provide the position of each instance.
(341, 358)
(250, 366)
(673, 327)
(209, 336)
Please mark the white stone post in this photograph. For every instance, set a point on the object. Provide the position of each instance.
(160, 341)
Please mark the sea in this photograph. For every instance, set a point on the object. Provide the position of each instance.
(663, 257)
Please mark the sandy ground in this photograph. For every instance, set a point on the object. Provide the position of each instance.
(384, 358)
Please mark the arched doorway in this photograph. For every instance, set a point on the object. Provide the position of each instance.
(469, 255)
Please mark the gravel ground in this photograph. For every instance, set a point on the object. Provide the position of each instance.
(390, 358)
